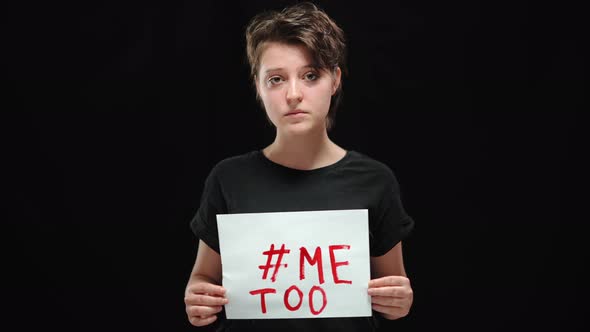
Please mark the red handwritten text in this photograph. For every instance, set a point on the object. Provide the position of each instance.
(335, 264)
(270, 253)
(317, 259)
(303, 256)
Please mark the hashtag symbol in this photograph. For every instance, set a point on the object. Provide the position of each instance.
(270, 253)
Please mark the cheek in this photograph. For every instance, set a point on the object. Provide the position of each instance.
(271, 101)
(321, 98)
(270, 98)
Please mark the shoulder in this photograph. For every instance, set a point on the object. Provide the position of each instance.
(235, 163)
(370, 164)
(379, 174)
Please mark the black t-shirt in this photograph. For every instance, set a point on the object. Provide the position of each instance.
(251, 183)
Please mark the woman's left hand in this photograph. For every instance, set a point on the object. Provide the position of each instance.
(392, 296)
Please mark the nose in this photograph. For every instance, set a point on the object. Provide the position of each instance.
(294, 93)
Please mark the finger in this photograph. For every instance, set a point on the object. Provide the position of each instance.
(203, 311)
(394, 312)
(389, 281)
(396, 291)
(204, 287)
(197, 321)
(199, 299)
(388, 301)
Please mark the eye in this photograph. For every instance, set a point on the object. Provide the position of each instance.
(311, 76)
(274, 80)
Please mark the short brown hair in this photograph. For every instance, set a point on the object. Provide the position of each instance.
(303, 24)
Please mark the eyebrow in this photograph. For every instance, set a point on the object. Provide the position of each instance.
(275, 69)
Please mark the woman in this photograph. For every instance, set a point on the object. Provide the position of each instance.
(296, 58)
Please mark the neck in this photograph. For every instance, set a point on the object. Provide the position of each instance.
(305, 152)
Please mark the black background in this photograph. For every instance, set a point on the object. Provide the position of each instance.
(122, 108)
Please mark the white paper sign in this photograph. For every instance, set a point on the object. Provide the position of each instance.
(308, 264)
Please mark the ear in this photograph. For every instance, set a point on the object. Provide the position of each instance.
(336, 76)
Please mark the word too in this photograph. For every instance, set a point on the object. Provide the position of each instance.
(304, 256)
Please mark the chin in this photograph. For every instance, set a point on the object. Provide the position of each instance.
(301, 128)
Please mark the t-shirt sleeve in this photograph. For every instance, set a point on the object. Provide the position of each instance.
(204, 223)
(392, 224)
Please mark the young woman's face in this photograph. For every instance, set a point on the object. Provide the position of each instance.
(295, 95)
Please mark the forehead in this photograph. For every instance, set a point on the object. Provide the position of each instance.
(285, 56)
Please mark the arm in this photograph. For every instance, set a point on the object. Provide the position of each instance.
(390, 290)
(203, 296)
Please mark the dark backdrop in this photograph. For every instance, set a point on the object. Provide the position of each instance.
(122, 108)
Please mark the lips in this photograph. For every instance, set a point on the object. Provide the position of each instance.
(295, 112)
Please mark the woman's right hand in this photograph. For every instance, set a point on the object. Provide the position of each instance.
(203, 301)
